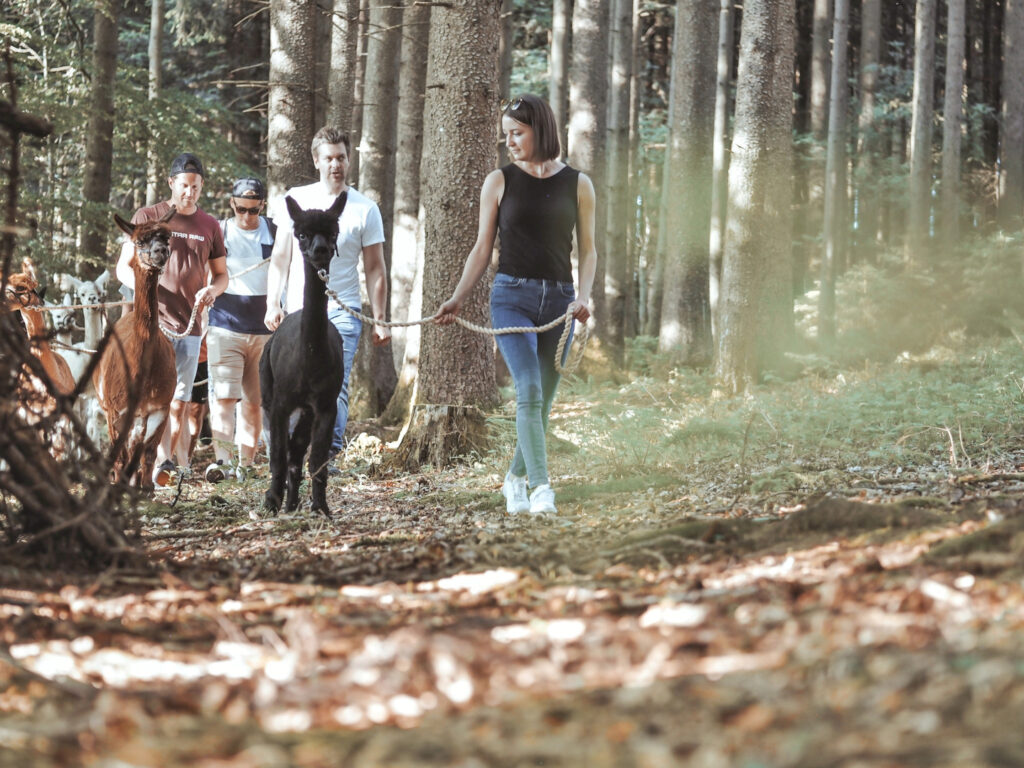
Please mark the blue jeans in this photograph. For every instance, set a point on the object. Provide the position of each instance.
(530, 358)
(350, 328)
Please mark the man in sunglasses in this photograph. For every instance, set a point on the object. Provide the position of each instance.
(237, 334)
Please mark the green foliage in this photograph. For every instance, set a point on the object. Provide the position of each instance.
(893, 308)
(52, 61)
(950, 408)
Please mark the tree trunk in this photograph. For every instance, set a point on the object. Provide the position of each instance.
(952, 120)
(588, 98)
(1011, 130)
(99, 139)
(323, 12)
(756, 303)
(720, 162)
(355, 131)
(344, 53)
(558, 65)
(921, 129)
(505, 47)
(290, 124)
(685, 330)
(635, 224)
(375, 368)
(869, 128)
(835, 178)
(406, 255)
(456, 372)
(820, 69)
(156, 36)
(620, 210)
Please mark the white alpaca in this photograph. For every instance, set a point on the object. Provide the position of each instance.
(92, 293)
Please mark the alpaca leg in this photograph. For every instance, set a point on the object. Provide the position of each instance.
(278, 459)
(323, 430)
(297, 444)
(148, 457)
(117, 465)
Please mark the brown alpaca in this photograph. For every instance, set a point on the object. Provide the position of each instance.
(135, 378)
(36, 399)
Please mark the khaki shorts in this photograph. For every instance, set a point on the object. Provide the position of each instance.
(234, 362)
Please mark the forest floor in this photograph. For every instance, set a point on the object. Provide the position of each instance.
(828, 572)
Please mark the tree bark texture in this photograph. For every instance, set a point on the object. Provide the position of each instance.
(456, 365)
(588, 121)
(344, 54)
(375, 368)
(411, 93)
(720, 160)
(756, 303)
(1011, 129)
(635, 235)
(621, 211)
(323, 11)
(685, 311)
(868, 127)
(921, 129)
(558, 65)
(99, 139)
(290, 125)
(820, 68)
(952, 122)
(156, 36)
(835, 230)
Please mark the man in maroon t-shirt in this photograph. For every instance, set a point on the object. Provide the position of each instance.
(195, 275)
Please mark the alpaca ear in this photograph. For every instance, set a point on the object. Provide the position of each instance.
(127, 228)
(28, 269)
(66, 282)
(101, 281)
(339, 204)
(293, 208)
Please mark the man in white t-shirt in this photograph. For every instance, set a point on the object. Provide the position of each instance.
(361, 232)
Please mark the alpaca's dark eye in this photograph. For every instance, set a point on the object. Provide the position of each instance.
(302, 236)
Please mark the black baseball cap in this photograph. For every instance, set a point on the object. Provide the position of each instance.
(186, 162)
(249, 187)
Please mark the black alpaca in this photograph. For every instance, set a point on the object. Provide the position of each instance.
(301, 369)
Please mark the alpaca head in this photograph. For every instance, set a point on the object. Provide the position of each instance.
(152, 240)
(62, 317)
(317, 231)
(21, 289)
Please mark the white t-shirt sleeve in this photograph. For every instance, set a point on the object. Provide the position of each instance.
(278, 212)
(373, 227)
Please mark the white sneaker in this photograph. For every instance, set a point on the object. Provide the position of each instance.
(216, 472)
(514, 491)
(542, 500)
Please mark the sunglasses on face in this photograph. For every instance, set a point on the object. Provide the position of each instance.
(247, 211)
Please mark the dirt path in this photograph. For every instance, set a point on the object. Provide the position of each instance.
(829, 632)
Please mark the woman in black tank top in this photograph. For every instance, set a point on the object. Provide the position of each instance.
(535, 202)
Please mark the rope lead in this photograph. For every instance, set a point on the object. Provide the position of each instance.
(570, 365)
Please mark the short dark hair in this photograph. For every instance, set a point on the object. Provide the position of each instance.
(535, 112)
(331, 135)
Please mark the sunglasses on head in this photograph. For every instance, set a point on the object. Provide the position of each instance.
(247, 211)
(511, 105)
